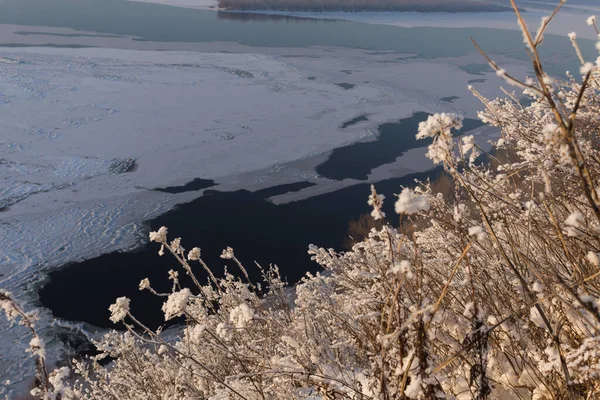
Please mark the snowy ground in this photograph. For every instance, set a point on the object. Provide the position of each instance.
(73, 122)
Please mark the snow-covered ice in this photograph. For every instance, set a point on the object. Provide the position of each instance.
(87, 132)
(73, 121)
(72, 118)
(87, 125)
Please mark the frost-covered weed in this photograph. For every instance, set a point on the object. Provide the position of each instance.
(16, 315)
(494, 294)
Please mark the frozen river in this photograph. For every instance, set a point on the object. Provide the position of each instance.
(112, 99)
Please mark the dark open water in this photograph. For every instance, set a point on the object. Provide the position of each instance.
(257, 229)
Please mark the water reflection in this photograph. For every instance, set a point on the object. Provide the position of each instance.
(261, 17)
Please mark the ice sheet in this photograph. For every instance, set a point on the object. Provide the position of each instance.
(87, 132)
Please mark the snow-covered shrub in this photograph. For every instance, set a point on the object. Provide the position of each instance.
(492, 294)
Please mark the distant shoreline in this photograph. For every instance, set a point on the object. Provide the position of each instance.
(424, 6)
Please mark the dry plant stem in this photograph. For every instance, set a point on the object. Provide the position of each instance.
(184, 264)
(589, 307)
(236, 356)
(568, 130)
(578, 51)
(508, 77)
(241, 266)
(210, 274)
(526, 33)
(558, 231)
(41, 361)
(524, 284)
(553, 333)
(435, 308)
(445, 289)
(547, 22)
(323, 377)
(382, 378)
(537, 64)
(191, 274)
(152, 334)
(508, 318)
(494, 236)
(576, 155)
(487, 105)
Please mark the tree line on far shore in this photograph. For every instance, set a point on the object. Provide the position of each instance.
(363, 5)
